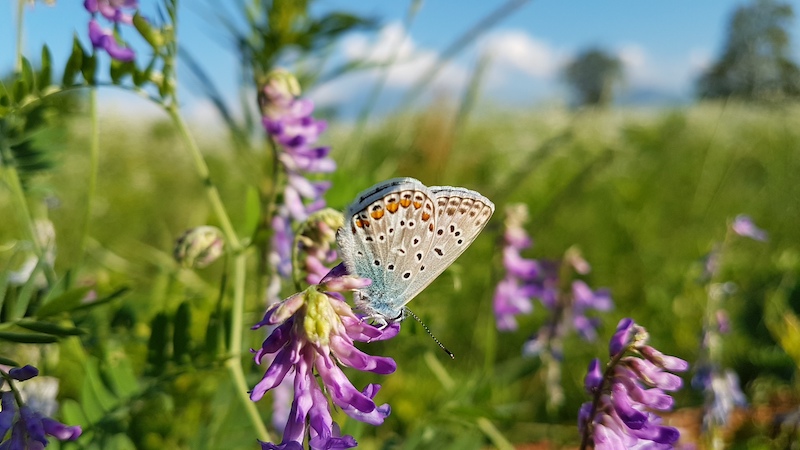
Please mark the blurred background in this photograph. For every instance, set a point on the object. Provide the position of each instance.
(632, 131)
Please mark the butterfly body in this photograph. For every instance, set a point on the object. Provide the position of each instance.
(402, 234)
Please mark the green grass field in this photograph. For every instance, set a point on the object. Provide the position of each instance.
(644, 194)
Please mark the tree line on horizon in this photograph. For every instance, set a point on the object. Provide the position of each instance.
(755, 63)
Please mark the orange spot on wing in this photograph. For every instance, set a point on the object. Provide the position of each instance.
(425, 217)
(359, 223)
(377, 214)
(392, 207)
(417, 205)
(404, 202)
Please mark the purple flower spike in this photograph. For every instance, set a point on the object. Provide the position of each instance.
(23, 373)
(594, 376)
(314, 335)
(105, 39)
(513, 295)
(620, 416)
(112, 9)
(743, 226)
(9, 406)
(622, 338)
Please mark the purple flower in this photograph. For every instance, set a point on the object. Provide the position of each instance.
(620, 416)
(314, 333)
(743, 226)
(583, 299)
(23, 373)
(288, 120)
(513, 295)
(105, 39)
(29, 428)
(112, 9)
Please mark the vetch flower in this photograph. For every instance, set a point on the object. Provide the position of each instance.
(199, 246)
(112, 9)
(314, 333)
(29, 427)
(743, 226)
(627, 394)
(514, 293)
(105, 39)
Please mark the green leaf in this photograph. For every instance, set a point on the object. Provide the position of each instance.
(120, 376)
(27, 74)
(252, 210)
(25, 294)
(103, 300)
(72, 413)
(74, 63)
(67, 301)
(46, 72)
(181, 336)
(157, 345)
(27, 338)
(50, 328)
(5, 99)
(20, 90)
(3, 287)
(96, 399)
(140, 77)
(8, 362)
(153, 37)
(89, 68)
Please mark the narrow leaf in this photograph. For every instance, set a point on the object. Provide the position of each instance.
(20, 90)
(27, 74)
(46, 71)
(50, 328)
(8, 362)
(67, 301)
(74, 63)
(89, 68)
(150, 35)
(157, 345)
(27, 338)
(181, 336)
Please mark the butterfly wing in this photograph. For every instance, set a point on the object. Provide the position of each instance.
(388, 231)
(461, 214)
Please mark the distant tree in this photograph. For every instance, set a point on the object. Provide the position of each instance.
(755, 63)
(592, 75)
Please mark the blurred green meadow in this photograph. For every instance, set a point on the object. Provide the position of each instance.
(643, 193)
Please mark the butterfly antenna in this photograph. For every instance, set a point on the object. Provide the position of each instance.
(428, 330)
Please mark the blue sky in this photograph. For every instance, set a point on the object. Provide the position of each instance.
(664, 44)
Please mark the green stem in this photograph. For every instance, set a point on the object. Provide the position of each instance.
(12, 178)
(20, 19)
(202, 169)
(94, 156)
(233, 363)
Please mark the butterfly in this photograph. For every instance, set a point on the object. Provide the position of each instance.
(402, 234)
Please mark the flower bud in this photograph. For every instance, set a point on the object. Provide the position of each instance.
(199, 247)
(278, 90)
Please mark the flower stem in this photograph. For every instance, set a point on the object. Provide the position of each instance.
(202, 170)
(94, 155)
(607, 375)
(233, 362)
(20, 20)
(12, 178)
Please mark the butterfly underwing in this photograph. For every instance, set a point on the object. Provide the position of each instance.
(402, 234)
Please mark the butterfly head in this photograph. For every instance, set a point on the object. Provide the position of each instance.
(381, 314)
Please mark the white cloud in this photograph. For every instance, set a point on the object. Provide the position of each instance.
(411, 62)
(516, 49)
